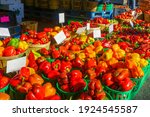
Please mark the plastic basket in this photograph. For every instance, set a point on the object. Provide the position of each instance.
(138, 83)
(5, 89)
(70, 95)
(118, 95)
(3, 60)
(49, 80)
(16, 95)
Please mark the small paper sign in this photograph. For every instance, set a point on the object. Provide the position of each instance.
(111, 28)
(60, 37)
(88, 26)
(81, 30)
(131, 23)
(4, 32)
(97, 33)
(133, 13)
(16, 64)
(61, 18)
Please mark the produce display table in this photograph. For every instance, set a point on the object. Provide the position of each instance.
(108, 61)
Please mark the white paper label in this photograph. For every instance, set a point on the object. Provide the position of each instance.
(80, 30)
(4, 32)
(61, 18)
(88, 26)
(60, 37)
(16, 64)
(97, 33)
(111, 28)
(131, 23)
(133, 13)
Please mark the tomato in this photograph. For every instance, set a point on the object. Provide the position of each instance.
(9, 51)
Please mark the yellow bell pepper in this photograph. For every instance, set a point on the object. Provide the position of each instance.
(92, 54)
(98, 49)
(90, 40)
(136, 57)
(112, 61)
(119, 54)
(115, 47)
(1, 43)
(32, 71)
(82, 56)
(1, 51)
(23, 45)
(83, 38)
(143, 62)
(137, 72)
(107, 55)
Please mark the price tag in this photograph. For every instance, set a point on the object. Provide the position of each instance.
(4, 32)
(81, 30)
(61, 18)
(131, 23)
(16, 64)
(111, 28)
(60, 37)
(97, 33)
(88, 26)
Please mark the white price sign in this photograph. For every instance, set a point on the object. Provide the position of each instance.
(111, 28)
(96, 33)
(61, 18)
(131, 23)
(133, 13)
(88, 26)
(4, 32)
(16, 64)
(81, 30)
(60, 37)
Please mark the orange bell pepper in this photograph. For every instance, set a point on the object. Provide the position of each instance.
(49, 90)
(137, 72)
(36, 79)
(1, 51)
(4, 96)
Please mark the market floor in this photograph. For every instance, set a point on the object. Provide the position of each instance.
(144, 93)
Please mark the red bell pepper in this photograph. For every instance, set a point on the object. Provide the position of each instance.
(23, 37)
(77, 62)
(44, 52)
(32, 61)
(45, 67)
(91, 63)
(65, 66)
(56, 65)
(56, 54)
(53, 74)
(24, 73)
(36, 93)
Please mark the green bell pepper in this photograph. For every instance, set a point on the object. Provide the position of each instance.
(14, 42)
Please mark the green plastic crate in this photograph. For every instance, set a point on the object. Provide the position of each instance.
(70, 95)
(100, 7)
(49, 80)
(109, 7)
(5, 89)
(16, 95)
(118, 95)
(139, 82)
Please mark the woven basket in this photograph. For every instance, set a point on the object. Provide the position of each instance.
(3, 60)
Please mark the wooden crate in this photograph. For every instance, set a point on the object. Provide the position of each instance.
(90, 6)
